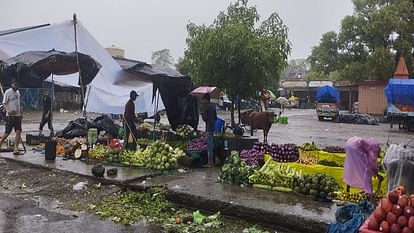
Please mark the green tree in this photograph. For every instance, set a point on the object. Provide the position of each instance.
(234, 53)
(369, 43)
(162, 57)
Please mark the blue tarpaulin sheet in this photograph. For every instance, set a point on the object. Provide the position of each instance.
(400, 91)
(327, 94)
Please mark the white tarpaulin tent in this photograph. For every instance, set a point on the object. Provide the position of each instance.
(109, 91)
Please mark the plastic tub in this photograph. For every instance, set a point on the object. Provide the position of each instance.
(219, 125)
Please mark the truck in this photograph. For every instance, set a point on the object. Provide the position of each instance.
(327, 102)
(400, 103)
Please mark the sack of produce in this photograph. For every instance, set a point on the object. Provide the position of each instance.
(98, 170)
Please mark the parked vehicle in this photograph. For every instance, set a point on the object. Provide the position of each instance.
(400, 106)
(327, 105)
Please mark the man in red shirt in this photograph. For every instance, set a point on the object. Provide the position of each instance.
(129, 120)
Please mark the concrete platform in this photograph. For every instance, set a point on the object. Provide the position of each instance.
(201, 189)
(125, 174)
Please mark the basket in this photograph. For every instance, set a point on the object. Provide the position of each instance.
(185, 161)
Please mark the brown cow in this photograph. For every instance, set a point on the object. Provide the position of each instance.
(258, 120)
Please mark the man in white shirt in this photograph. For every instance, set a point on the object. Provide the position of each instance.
(11, 103)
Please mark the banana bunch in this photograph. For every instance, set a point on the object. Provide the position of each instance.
(98, 152)
(133, 158)
(309, 147)
(144, 127)
(184, 131)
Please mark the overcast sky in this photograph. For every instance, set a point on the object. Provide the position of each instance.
(143, 26)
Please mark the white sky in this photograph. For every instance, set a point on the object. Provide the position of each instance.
(143, 26)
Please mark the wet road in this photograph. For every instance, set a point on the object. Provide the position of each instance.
(304, 127)
(18, 216)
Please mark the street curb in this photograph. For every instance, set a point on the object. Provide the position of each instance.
(103, 180)
(271, 218)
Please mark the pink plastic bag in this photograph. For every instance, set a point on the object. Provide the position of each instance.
(361, 163)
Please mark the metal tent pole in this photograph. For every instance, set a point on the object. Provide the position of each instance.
(81, 84)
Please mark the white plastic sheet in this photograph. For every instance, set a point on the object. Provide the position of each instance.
(110, 89)
(361, 163)
(399, 164)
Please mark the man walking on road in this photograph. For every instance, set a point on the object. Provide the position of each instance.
(11, 103)
(129, 120)
(47, 113)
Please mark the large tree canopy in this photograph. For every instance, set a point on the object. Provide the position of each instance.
(369, 44)
(236, 51)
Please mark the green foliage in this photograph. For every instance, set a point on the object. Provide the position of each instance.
(162, 57)
(369, 43)
(131, 207)
(234, 53)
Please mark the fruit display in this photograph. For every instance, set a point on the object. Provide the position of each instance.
(113, 155)
(274, 176)
(235, 170)
(60, 150)
(252, 157)
(309, 147)
(144, 127)
(197, 145)
(279, 152)
(394, 214)
(351, 197)
(161, 156)
(133, 158)
(144, 141)
(184, 131)
(164, 127)
(358, 197)
(98, 152)
(334, 149)
(329, 163)
(317, 185)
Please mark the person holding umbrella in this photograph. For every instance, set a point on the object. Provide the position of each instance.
(47, 113)
(209, 115)
(11, 103)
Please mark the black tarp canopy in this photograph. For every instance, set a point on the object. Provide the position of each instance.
(33, 67)
(174, 89)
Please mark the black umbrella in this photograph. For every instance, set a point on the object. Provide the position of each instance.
(41, 64)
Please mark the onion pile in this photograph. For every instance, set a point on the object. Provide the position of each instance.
(252, 157)
(197, 145)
